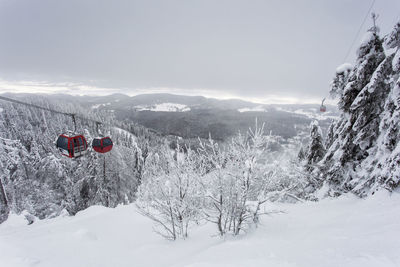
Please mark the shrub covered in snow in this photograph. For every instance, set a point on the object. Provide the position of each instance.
(170, 193)
(226, 186)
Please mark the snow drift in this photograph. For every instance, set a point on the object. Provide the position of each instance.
(333, 232)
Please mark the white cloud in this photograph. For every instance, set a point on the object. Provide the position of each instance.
(52, 88)
(44, 87)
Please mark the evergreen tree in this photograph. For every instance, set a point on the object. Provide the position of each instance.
(316, 149)
(301, 155)
(331, 134)
(340, 80)
(369, 56)
(387, 171)
(367, 99)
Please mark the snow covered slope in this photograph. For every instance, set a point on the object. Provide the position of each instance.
(164, 107)
(311, 113)
(100, 105)
(254, 109)
(335, 232)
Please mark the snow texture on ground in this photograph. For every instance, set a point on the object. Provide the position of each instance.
(334, 232)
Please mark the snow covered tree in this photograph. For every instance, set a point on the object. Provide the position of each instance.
(4, 203)
(367, 101)
(169, 193)
(369, 56)
(301, 155)
(40, 181)
(340, 80)
(214, 184)
(234, 181)
(316, 149)
(387, 159)
(331, 134)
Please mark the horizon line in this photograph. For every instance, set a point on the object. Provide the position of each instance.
(75, 89)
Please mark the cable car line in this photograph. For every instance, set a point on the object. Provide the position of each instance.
(359, 30)
(31, 105)
(69, 144)
(323, 107)
(73, 115)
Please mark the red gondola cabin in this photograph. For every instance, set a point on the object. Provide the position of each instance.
(322, 108)
(72, 146)
(102, 144)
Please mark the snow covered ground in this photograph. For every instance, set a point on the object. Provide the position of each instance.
(100, 105)
(311, 113)
(334, 232)
(164, 107)
(254, 109)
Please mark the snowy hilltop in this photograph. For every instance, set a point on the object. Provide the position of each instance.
(164, 107)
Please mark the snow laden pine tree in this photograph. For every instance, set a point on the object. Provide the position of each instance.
(301, 155)
(316, 149)
(387, 171)
(363, 92)
(331, 134)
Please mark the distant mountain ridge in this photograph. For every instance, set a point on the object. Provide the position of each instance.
(200, 102)
(194, 102)
(198, 116)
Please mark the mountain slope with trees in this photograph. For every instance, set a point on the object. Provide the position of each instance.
(37, 179)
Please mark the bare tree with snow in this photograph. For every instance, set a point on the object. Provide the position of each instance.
(235, 181)
(169, 193)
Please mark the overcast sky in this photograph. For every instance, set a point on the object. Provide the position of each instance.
(256, 50)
